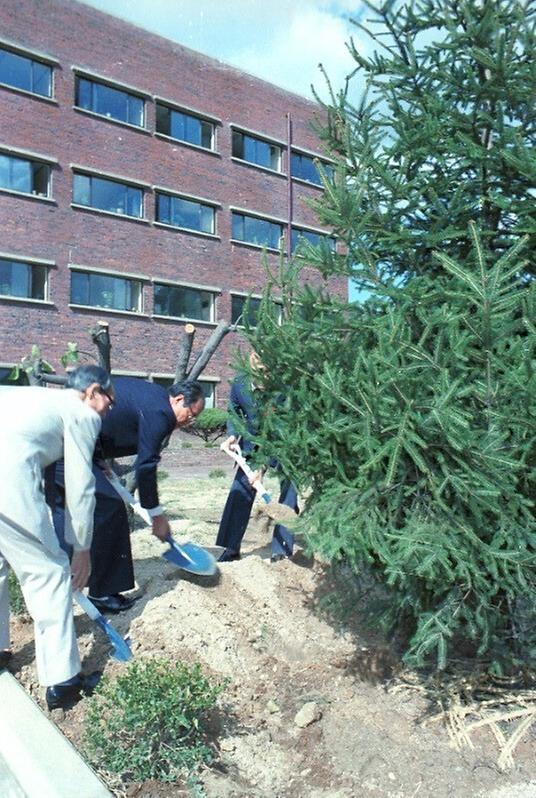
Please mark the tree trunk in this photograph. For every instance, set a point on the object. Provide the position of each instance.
(208, 350)
(184, 352)
(100, 336)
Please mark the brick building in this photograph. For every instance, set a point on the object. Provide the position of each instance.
(139, 183)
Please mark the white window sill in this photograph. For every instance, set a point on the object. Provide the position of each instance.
(309, 183)
(198, 147)
(9, 298)
(28, 93)
(254, 246)
(102, 309)
(183, 319)
(120, 122)
(26, 195)
(186, 230)
(113, 214)
(267, 169)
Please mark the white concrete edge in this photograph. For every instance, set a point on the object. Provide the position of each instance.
(41, 761)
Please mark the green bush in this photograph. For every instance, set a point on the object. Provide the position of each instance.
(217, 473)
(210, 424)
(148, 722)
(17, 604)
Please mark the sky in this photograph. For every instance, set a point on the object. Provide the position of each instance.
(282, 41)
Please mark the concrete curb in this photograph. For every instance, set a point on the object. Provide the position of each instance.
(36, 760)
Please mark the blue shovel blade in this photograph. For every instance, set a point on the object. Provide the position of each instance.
(191, 558)
(120, 647)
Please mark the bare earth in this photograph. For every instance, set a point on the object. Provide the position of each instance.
(310, 712)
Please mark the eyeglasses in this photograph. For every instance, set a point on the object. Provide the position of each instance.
(108, 396)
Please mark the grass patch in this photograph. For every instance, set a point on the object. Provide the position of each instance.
(217, 473)
(17, 604)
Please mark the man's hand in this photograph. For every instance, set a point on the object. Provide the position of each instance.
(161, 527)
(232, 444)
(80, 569)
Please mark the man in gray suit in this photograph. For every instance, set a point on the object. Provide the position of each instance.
(37, 427)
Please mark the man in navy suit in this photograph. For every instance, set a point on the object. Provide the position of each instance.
(242, 494)
(143, 416)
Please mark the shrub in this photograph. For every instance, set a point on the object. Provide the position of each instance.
(148, 722)
(210, 424)
(217, 473)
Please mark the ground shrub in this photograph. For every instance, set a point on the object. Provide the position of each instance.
(210, 424)
(148, 723)
(17, 604)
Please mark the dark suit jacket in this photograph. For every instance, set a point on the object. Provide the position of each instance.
(138, 423)
(242, 403)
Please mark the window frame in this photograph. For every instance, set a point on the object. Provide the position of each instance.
(256, 138)
(75, 268)
(35, 160)
(161, 191)
(33, 56)
(256, 297)
(97, 80)
(314, 231)
(31, 263)
(246, 214)
(82, 171)
(172, 107)
(312, 156)
(173, 284)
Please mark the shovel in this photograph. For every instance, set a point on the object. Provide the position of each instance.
(187, 556)
(120, 645)
(279, 512)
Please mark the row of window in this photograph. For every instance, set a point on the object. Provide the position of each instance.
(94, 289)
(104, 194)
(123, 105)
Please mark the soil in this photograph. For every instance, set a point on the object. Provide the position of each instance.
(311, 710)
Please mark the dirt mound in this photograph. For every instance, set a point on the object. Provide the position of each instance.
(307, 713)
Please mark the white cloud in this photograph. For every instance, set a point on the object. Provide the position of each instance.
(282, 41)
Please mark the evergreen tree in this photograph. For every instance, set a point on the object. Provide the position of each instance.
(412, 417)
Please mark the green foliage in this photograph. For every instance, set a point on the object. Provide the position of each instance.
(17, 605)
(217, 473)
(210, 424)
(412, 416)
(148, 723)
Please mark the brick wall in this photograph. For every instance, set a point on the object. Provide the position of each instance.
(77, 35)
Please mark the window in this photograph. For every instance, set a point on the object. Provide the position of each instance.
(256, 151)
(209, 392)
(315, 239)
(108, 195)
(106, 291)
(184, 127)
(252, 230)
(304, 167)
(185, 213)
(244, 310)
(110, 102)
(22, 174)
(183, 302)
(24, 280)
(25, 73)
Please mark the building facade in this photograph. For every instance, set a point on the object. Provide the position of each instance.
(140, 182)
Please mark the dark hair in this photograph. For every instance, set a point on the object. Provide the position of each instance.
(191, 390)
(84, 376)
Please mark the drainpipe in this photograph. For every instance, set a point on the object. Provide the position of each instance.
(290, 197)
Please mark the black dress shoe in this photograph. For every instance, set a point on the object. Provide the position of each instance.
(5, 657)
(229, 555)
(278, 557)
(114, 604)
(65, 694)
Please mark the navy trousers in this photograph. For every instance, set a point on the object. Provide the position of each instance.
(237, 512)
(112, 569)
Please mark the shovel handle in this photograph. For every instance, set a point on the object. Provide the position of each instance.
(128, 498)
(235, 454)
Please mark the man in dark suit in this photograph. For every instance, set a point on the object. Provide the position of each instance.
(242, 494)
(142, 417)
